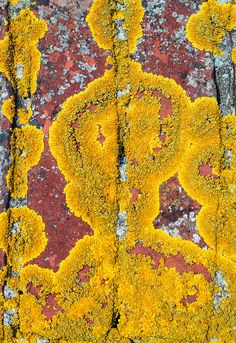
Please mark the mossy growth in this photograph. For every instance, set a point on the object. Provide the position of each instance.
(19, 55)
(206, 28)
(26, 149)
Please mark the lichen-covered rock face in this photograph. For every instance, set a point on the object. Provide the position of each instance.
(118, 223)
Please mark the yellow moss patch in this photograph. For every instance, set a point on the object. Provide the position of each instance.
(22, 235)
(19, 56)
(26, 148)
(206, 28)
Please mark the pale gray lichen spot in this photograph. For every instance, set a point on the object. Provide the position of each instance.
(196, 238)
(123, 165)
(123, 92)
(26, 103)
(22, 154)
(224, 76)
(19, 71)
(85, 66)
(228, 156)
(8, 317)
(171, 231)
(15, 228)
(120, 6)
(19, 202)
(121, 32)
(192, 216)
(13, 273)
(42, 340)
(156, 7)
(4, 136)
(223, 294)
(8, 292)
(121, 228)
(14, 9)
(3, 3)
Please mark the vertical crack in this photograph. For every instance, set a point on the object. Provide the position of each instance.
(224, 77)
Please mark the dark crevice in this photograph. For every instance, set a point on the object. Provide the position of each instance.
(214, 76)
(11, 143)
(234, 73)
(115, 320)
(16, 97)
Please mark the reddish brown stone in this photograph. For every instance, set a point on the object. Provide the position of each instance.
(175, 261)
(51, 308)
(83, 274)
(34, 290)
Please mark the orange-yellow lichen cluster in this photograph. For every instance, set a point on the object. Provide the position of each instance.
(131, 13)
(19, 51)
(127, 111)
(234, 55)
(13, 2)
(113, 290)
(9, 111)
(212, 144)
(22, 236)
(206, 28)
(27, 238)
(26, 149)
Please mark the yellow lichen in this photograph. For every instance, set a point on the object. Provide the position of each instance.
(105, 287)
(9, 111)
(26, 148)
(212, 145)
(8, 108)
(102, 15)
(19, 56)
(206, 28)
(124, 109)
(234, 55)
(22, 235)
